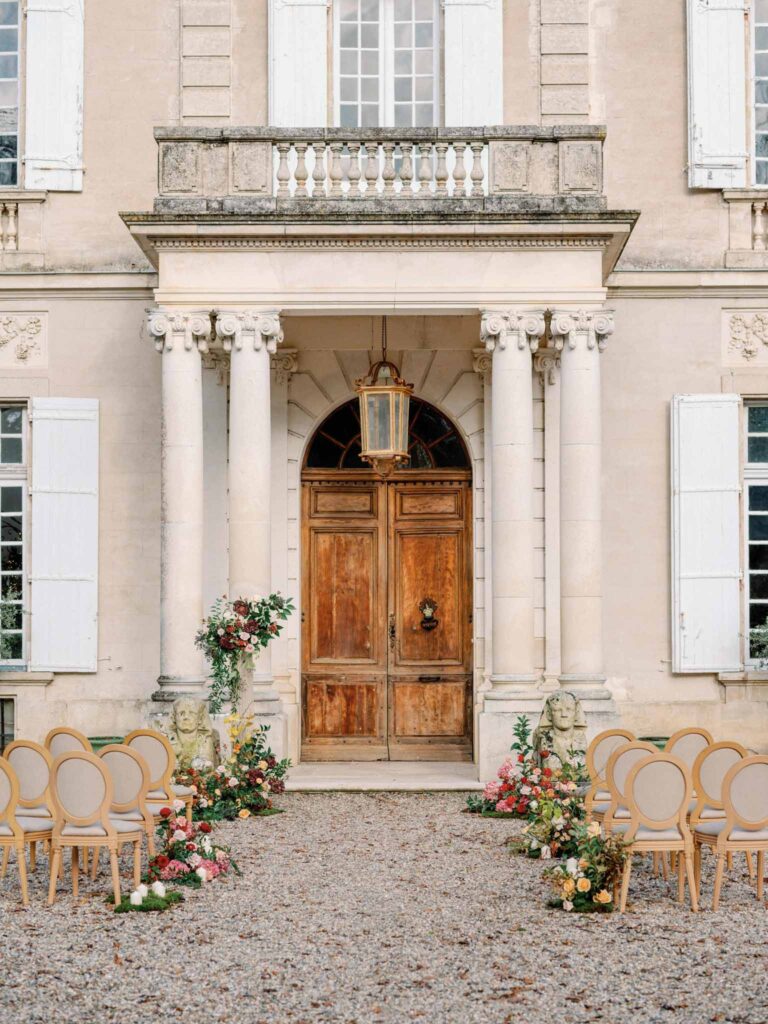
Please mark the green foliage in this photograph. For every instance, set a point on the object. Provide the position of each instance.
(585, 882)
(150, 904)
(758, 644)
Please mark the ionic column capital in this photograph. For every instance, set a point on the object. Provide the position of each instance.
(173, 328)
(590, 329)
(259, 329)
(497, 326)
(284, 365)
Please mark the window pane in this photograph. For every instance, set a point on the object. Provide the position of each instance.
(403, 35)
(10, 558)
(348, 35)
(10, 449)
(758, 586)
(758, 556)
(761, 10)
(348, 10)
(8, 173)
(370, 10)
(758, 449)
(10, 499)
(348, 116)
(369, 36)
(9, 66)
(403, 10)
(403, 89)
(424, 62)
(424, 34)
(348, 89)
(404, 65)
(757, 419)
(8, 147)
(12, 646)
(758, 499)
(369, 115)
(761, 64)
(9, 94)
(369, 90)
(9, 40)
(9, 13)
(369, 63)
(11, 528)
(425, 10)
(761, 92)
(9, 119)
(758, 527)
(403, 117)
(348, 63)
(761, 39)
(424, 88)
(761, 118)
(762, 172)
(423, 115)
(10, 588)
(761, 145)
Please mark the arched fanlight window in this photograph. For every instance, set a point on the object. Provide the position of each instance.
(433, 441)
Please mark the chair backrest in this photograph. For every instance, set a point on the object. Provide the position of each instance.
(130, 776)
(745, 794)
(32, 765)
(687, 744)
(157, 751)
(709, 771)
(601, 748)
(82, 790)
(619, 764)
(62, 738)
(658, 791)
(9, 796)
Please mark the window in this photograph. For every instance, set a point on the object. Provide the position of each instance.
(756, 505)
(10, 32)
(433, 442)
(387, 63)
(13, 474)
(7, 729)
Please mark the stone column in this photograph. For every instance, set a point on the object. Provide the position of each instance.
(252, 337)
(511, 338)
(181, 337)
(582, 338)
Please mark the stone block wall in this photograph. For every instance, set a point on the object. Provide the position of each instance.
(206, 55)
(564, 61)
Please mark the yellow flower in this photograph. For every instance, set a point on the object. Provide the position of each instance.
(263, 765)
(583, 885)
(245, 813)
(236, 748)
(593, 829)
(602, 897)
(583, 864)
(232, 759)
(569, 887)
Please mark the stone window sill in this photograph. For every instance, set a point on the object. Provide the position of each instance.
(15, 678)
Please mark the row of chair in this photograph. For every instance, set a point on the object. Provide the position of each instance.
(68, 797)
(695, 793)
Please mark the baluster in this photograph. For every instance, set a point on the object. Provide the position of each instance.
(459, 171)
(2, 226)
(371, 168)
(441, 172)
(425, 168)
(336, 172)
(354, 170)
(758, 227)
(476, 174)
(318, 171)
(406, 170)
(12, 236)
(283, 171)
(301, 173)
(388, 171)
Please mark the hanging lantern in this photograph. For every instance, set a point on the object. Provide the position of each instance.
(384, 413)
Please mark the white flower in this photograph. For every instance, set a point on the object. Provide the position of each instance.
(572, 866)
(567, 905)
(195, 859)
(525, 790)
(181, 822)
(203, 802)
(232, 782)
(546, 853)
(179, 836)
(249, 648)
(244, 636)
(220, 631)
(220, 770)
(558, 823)
(143, 890)
(593, 829)
(206, 845)
(178, 805)
(202, 874)
(158, 889)
(136, 899)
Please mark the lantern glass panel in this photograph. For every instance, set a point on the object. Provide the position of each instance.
(403, 402)
(379, 417)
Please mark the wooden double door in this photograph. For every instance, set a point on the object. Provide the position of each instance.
(387, 619)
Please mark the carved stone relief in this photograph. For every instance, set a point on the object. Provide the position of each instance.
(745, 337)
(24, 340)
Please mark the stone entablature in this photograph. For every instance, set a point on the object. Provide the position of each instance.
(256, 170)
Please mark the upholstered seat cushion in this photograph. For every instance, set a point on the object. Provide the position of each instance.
(645, 834)
(601, 808)
(182, 791)
(736, 835)
(41, 811)
(707, 812)
(98, 830)
(27, 825)
(158, 794)
(134, 815)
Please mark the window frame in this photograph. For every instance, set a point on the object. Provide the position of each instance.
(5, 700)
(17, 475)
(387, 68)
(20, 63)
(753, 474)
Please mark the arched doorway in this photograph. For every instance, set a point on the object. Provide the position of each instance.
(387, 595)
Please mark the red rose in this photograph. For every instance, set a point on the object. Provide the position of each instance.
(161, 861)
(240, 607)
(520, 758)
(273, 627)
(544, 754)
(204, 826)
(230, 629)
(165, 812)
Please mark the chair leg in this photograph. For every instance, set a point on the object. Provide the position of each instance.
(86, 851)
(750, 868)
(6, 855)
(680, 878)
(151, 842)
(625, 883)
(33, 855)
(21, 857)
(656, 864)
(692, 884)
(115, 874)
(718, 880)
(137, 864)
(188, 808)
(75, 871)
(760, 873)
(95, 862)
(664, 868)
(697, 867)
(729, 860)
(55, 860)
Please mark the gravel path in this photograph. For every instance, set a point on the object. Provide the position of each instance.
(381, 908)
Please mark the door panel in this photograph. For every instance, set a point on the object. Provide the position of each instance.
(428, 567)
(430, 709)
(340, 707)
(343, 610)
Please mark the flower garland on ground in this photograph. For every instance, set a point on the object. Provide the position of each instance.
(509, 795)
(235, 630)
(585, 882)
(245, 783)
(188, 855)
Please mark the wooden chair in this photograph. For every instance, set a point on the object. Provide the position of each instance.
(17, 831)
(129, 773)
(658, 791)
(82, 793)
(157, 751)
(709, 771)
(598, 752)
(687, 744)
(617, 769)
(62, 738)
(745, 826)
(32, 765)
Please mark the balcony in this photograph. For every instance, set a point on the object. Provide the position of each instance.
(335, 172)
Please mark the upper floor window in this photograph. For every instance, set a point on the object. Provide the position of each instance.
(10, 32)
(760, 66)
(386, 60)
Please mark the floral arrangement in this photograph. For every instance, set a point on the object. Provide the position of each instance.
(509, 794)
(245, 783)
(145, 898)
(236, 630)
(554, 818)
(189, 856)
(585, 882)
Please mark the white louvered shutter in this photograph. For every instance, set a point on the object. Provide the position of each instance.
(298, 63)
(474, 90)
(706, 565)
(65, 534)
(717, 94)
(54, 95)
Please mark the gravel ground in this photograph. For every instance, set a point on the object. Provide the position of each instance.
(381, 908)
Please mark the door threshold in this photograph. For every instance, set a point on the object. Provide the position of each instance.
(383, 776)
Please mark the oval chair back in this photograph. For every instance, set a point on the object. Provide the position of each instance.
(687, 744)
(619, 764)
(9, 798)
(82, 793)
(157, 751)
(62, 738)
(32, 765)
(130, 778)
(745, 798)
(709, 771)
(601, 748)
(658, 791)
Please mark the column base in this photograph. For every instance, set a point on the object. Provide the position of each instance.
(496, 722)
(171, 688)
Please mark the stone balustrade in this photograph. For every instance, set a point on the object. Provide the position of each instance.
(241, 170)
(21, 229)
(9, 227)
(747, 228)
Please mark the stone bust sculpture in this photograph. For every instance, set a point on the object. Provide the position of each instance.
(562, 730)
(191, 733)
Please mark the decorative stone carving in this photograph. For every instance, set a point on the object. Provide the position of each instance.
(593, 329)
(495, 328)
(747, 336)
(169, 328)
(251, 164)
(482, 363)
(179, 167)
(562, 730)
(284, 365)
(510, 166)
(546, 362)
(258, 329)
(581, 168)
(192, 735)
(23, 340)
